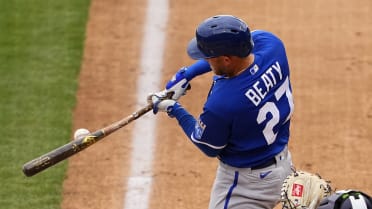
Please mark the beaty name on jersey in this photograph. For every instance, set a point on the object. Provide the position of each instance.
(267, 81)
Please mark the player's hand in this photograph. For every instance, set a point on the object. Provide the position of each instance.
(179, 84)
(160, 102)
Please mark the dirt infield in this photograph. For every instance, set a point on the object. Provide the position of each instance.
(329, 49)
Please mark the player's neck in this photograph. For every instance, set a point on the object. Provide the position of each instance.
(242, 65)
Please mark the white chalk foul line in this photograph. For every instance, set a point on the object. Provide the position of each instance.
(140, 179)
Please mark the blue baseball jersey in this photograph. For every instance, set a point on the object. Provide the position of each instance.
(246, 118)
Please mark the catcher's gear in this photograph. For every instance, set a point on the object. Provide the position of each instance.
(347, 199)
(303, 190)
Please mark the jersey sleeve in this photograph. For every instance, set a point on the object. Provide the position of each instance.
(209, 133)
(198, 68)
(266, 43)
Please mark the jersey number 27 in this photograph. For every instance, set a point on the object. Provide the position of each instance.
(270, 107)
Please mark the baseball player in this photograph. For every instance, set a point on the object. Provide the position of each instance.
(246, 118)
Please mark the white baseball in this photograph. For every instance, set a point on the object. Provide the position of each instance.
(81, 132)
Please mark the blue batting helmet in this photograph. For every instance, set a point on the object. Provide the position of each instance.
(221, 35)
(346, 199)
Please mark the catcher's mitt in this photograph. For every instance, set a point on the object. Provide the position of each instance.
(303, 190)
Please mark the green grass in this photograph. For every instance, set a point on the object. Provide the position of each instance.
(41, 45)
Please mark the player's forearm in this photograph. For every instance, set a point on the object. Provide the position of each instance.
(179, 83)
(198, 68)
(187, 123)
(185, 119)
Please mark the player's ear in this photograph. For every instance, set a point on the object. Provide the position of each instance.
(227, 59)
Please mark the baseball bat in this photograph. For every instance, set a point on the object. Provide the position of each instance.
(61, 153)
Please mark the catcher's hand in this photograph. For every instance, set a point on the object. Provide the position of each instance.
(303, 190)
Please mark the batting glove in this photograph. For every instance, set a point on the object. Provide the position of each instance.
(161, 102)
(179, 84)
